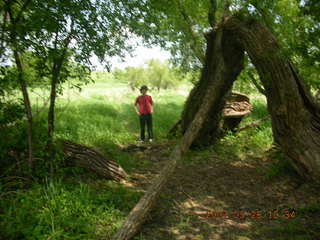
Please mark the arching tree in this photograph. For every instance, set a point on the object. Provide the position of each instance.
(295, 115)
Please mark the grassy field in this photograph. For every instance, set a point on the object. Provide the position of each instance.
(75, 205)
(79, 205)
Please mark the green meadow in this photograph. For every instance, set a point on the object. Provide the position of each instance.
(76, 204)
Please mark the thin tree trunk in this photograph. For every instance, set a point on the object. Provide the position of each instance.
(22, 80)
(56, 70)
(294, 112)
(256, 84)
(27, 107)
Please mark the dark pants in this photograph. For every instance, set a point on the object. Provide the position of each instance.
(146, 119)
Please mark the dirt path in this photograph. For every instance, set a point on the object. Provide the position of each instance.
(228, 199)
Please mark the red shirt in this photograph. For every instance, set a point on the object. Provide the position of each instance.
(145, 102)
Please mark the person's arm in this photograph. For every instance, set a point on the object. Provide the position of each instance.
(135, 107)
(151, 104)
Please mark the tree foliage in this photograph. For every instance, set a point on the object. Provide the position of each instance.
(53, 41)
(181, 27)
(154, 73)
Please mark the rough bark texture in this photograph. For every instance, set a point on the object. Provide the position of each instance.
(232, 54)
(294, 113)
(295, 116)
(139, 213)
(236, 107)
(21, 79)
(86, 157)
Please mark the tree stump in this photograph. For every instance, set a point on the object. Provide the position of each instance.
(237, 106)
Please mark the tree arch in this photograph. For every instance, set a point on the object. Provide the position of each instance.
(295, 114)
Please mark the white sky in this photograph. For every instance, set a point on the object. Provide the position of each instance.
(140, 56)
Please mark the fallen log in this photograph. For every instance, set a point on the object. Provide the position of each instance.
(87, 157)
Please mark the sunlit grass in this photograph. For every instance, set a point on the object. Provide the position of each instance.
(102, 116)
(75, 205)
(56, 210)
(107, 115)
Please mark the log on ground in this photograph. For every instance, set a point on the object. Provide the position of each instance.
(87, 157)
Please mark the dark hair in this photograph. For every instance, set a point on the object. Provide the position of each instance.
(144, 87)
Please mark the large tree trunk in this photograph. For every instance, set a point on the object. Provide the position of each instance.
(294, 113)
(215, 69)
(232, 54)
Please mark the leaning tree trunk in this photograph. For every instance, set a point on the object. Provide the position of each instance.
(294, 113)
(219, 42)
(232, 54)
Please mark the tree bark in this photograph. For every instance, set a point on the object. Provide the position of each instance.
(56, 70)
(214, 68)
(21, 79)
(86, 157)
(294, 112)
(27, 107)
(233, 55)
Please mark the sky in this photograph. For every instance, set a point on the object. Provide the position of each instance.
(140, 56)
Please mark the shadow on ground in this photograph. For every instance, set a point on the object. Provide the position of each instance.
(231, 199)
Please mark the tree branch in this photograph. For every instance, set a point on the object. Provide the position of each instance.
(199, 53)
(256, 84)
(24, 7)
(252, 124)
(212, 13)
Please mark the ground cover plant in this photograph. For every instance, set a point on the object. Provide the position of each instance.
(77, 204)
(222, 165)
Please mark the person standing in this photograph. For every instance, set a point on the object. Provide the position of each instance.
(145, 111)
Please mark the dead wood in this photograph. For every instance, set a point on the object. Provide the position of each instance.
(87, 157)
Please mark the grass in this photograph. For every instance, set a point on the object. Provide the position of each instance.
(58, 210)
(76, 204)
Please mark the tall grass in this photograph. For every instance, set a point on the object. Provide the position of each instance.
(56, 210)
(76, 205)
(102, 116)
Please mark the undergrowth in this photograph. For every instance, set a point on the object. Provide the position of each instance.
(75, 204)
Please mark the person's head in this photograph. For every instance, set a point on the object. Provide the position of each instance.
(144, 89)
